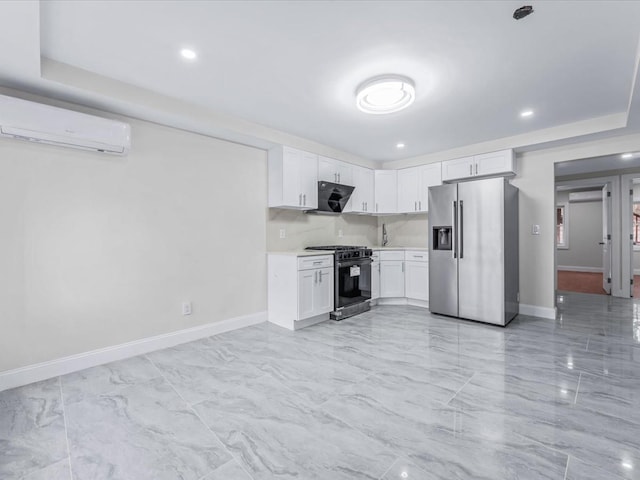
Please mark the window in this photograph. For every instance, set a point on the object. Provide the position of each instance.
(562, 226)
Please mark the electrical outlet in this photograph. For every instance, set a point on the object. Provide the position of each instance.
(340, 233)
(283, 233)
(186, 308)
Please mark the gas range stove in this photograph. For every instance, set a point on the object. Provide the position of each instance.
(346, 252)
(352, 279)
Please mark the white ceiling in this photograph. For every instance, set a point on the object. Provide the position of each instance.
(294, 65)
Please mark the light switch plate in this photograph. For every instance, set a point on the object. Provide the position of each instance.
(535, 229)
(283, 233)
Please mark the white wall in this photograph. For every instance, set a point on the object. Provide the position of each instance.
(97, 250)
(585, 233)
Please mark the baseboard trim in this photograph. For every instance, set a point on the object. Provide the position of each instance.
(73, 363)
(570, 268)
(536, 311)
(392, 301)
(418, 303)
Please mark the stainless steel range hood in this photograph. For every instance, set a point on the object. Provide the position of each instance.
(332, 198)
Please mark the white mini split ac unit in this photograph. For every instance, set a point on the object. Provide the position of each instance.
(40, 123)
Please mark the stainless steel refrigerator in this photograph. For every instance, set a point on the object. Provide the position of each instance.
(473, 250)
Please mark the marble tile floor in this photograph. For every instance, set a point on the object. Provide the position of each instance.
(394, 393)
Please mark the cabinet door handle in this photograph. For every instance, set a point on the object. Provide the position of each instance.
(402, 267)
(320, 276)
(376, 206)
(304, 199)
(335, 177)
(476, 168)
(415, 206)
(315, 277)
(300, 199)
(338, 178)
(470, 169)
(420, 205)
(318, 262)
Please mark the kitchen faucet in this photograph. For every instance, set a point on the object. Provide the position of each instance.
(385, 239)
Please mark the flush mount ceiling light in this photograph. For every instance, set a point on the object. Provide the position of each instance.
(526, 113)
(385, 94)
(188, 54)
(626, 156)
(400, 145)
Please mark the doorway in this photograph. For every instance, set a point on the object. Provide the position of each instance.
(583, 237)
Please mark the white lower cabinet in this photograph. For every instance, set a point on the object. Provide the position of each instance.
(392, 278)
(300, 289)
(403, 277)
(416, 276)
(391, 273)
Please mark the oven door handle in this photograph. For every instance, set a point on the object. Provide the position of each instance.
(351, 263)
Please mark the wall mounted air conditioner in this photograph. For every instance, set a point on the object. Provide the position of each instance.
(590, 196)
(40, 123)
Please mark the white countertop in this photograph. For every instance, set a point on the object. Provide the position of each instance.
(404, 249)
(303, 253)
(313, 253)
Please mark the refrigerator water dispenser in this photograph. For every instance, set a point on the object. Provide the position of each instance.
(442, 238)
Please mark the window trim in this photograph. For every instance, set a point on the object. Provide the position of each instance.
(565, 244)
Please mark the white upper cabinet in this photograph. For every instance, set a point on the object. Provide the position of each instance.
(293, 178)
(408, 190)
(500, 163)
(496, 163)
(386, 191)
(335, 171)
(413, 187)
(362, 200)
(458, 168)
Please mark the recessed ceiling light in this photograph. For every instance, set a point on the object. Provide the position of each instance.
(627, 465)
(626, 156)
(188, 54)
(400, 145)
(526, 113)
(385, 94)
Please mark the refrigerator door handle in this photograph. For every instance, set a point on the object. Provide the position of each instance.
(461, 230)
(454, 229)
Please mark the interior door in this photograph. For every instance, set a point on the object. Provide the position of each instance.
(606, 239)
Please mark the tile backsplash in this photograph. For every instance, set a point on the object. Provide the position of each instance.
(303, 230)
(405, 230)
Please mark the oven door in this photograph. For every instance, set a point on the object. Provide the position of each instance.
(353, 282)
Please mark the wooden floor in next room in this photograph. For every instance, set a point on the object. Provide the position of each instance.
(588, 282)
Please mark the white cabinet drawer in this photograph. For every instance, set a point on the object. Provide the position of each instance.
(413, 256)
(375, 256)
(320, 261)
(391, 255)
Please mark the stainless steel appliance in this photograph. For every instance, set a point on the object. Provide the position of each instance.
(352, 270)
(473, 250)
(332, 198)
